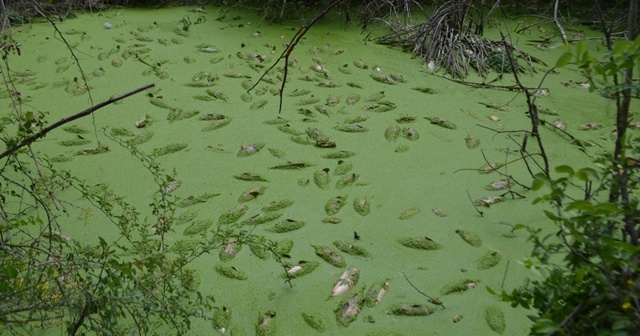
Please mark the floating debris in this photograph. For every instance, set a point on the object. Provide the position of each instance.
(346, 282)
(405, 309)
(441, 122)
(266, 326)
(303, 267)
(93, 150)
(233, 214)
(251, 149)
(230, 272)
(292, 165)
(277, 205)
(472, 141)
(347, 180)
(330, 256)
(401, 148)
(230, 250)
(376, 292)
(457, 318)
(489, 259)
(362, 206)
(409, 213)
(341, 154)
(351, 248)
(349, 309)
(169, 149)
(422, 243)
(198, 227)
(494, 118)
(322, 178)
(469, 237)
(252, 194)
(381, 106)
(196, 199)
(458, 286)
(439, 212)
(286, 225)
(495, 319)
(314, 321)
(488, 201)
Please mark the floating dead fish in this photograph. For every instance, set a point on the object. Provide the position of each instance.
(380, 106)
(308, 101)
(547, 111)
(427, 90)
(231, 272)
(322, 109)
(250, 177)
(299, 92)
(314, 322)
(345, 69)
(217, 123)
(212, 116)
(457, 318)
(169, 149)
(499, 185)
(354, 85)
(341, 154)
(335, 204)
(216, 60)
(590, 127)
(494, 316)
(346, 282)
(277, 205)
(247, 84)
(398, 77)
(230, 250)
(356, 119)
(332, 220)
(342, 168)
(196, 199)
(322, 178)
(560, 124)
(235, 74)
(351, 128)
(469, 237)
(410, 133)
(250, 149)
(494, 106)
(286, 225)
(329, 84)
(330, 256)
(349, 309)
(490, 168)
(178, 114)
(441, 122)
(332, 101)
(376, 292)
(286, 128)
(352, 99)
(209, 50)
(421, 243)
(290, 165)
(405, 309)
(266, 325)
(347, 180)
(160, 102)
(360, 64)
(362, 206)
(261, 218)
(221, 319)
(405, 119)
(351, 248)
(409, 213)
(258, 104)
(233, 214)
(252, 194)
(489, 260)
(378, 77)
(276, 121)
(494, 118)
(488, 201)
(319, 69)
(439, 212)
(303, 267)
(458, 286)
(472, 141)
(302, 139)
(392, 132)
(198, 227)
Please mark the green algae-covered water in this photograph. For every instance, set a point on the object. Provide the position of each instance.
(403, 178)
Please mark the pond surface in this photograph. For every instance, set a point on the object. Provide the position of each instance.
(401, 176)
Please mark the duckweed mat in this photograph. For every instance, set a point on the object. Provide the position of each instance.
(362, 125)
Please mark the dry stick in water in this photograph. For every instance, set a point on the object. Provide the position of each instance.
(64, 121)
(287, 52)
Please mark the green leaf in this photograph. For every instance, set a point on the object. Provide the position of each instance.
(580, 273)
(491, 291)
(564, 169)
(581, 205)
(10, 271)
(586, 174)
(551, 215)
(564, 59)
(539, 181)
